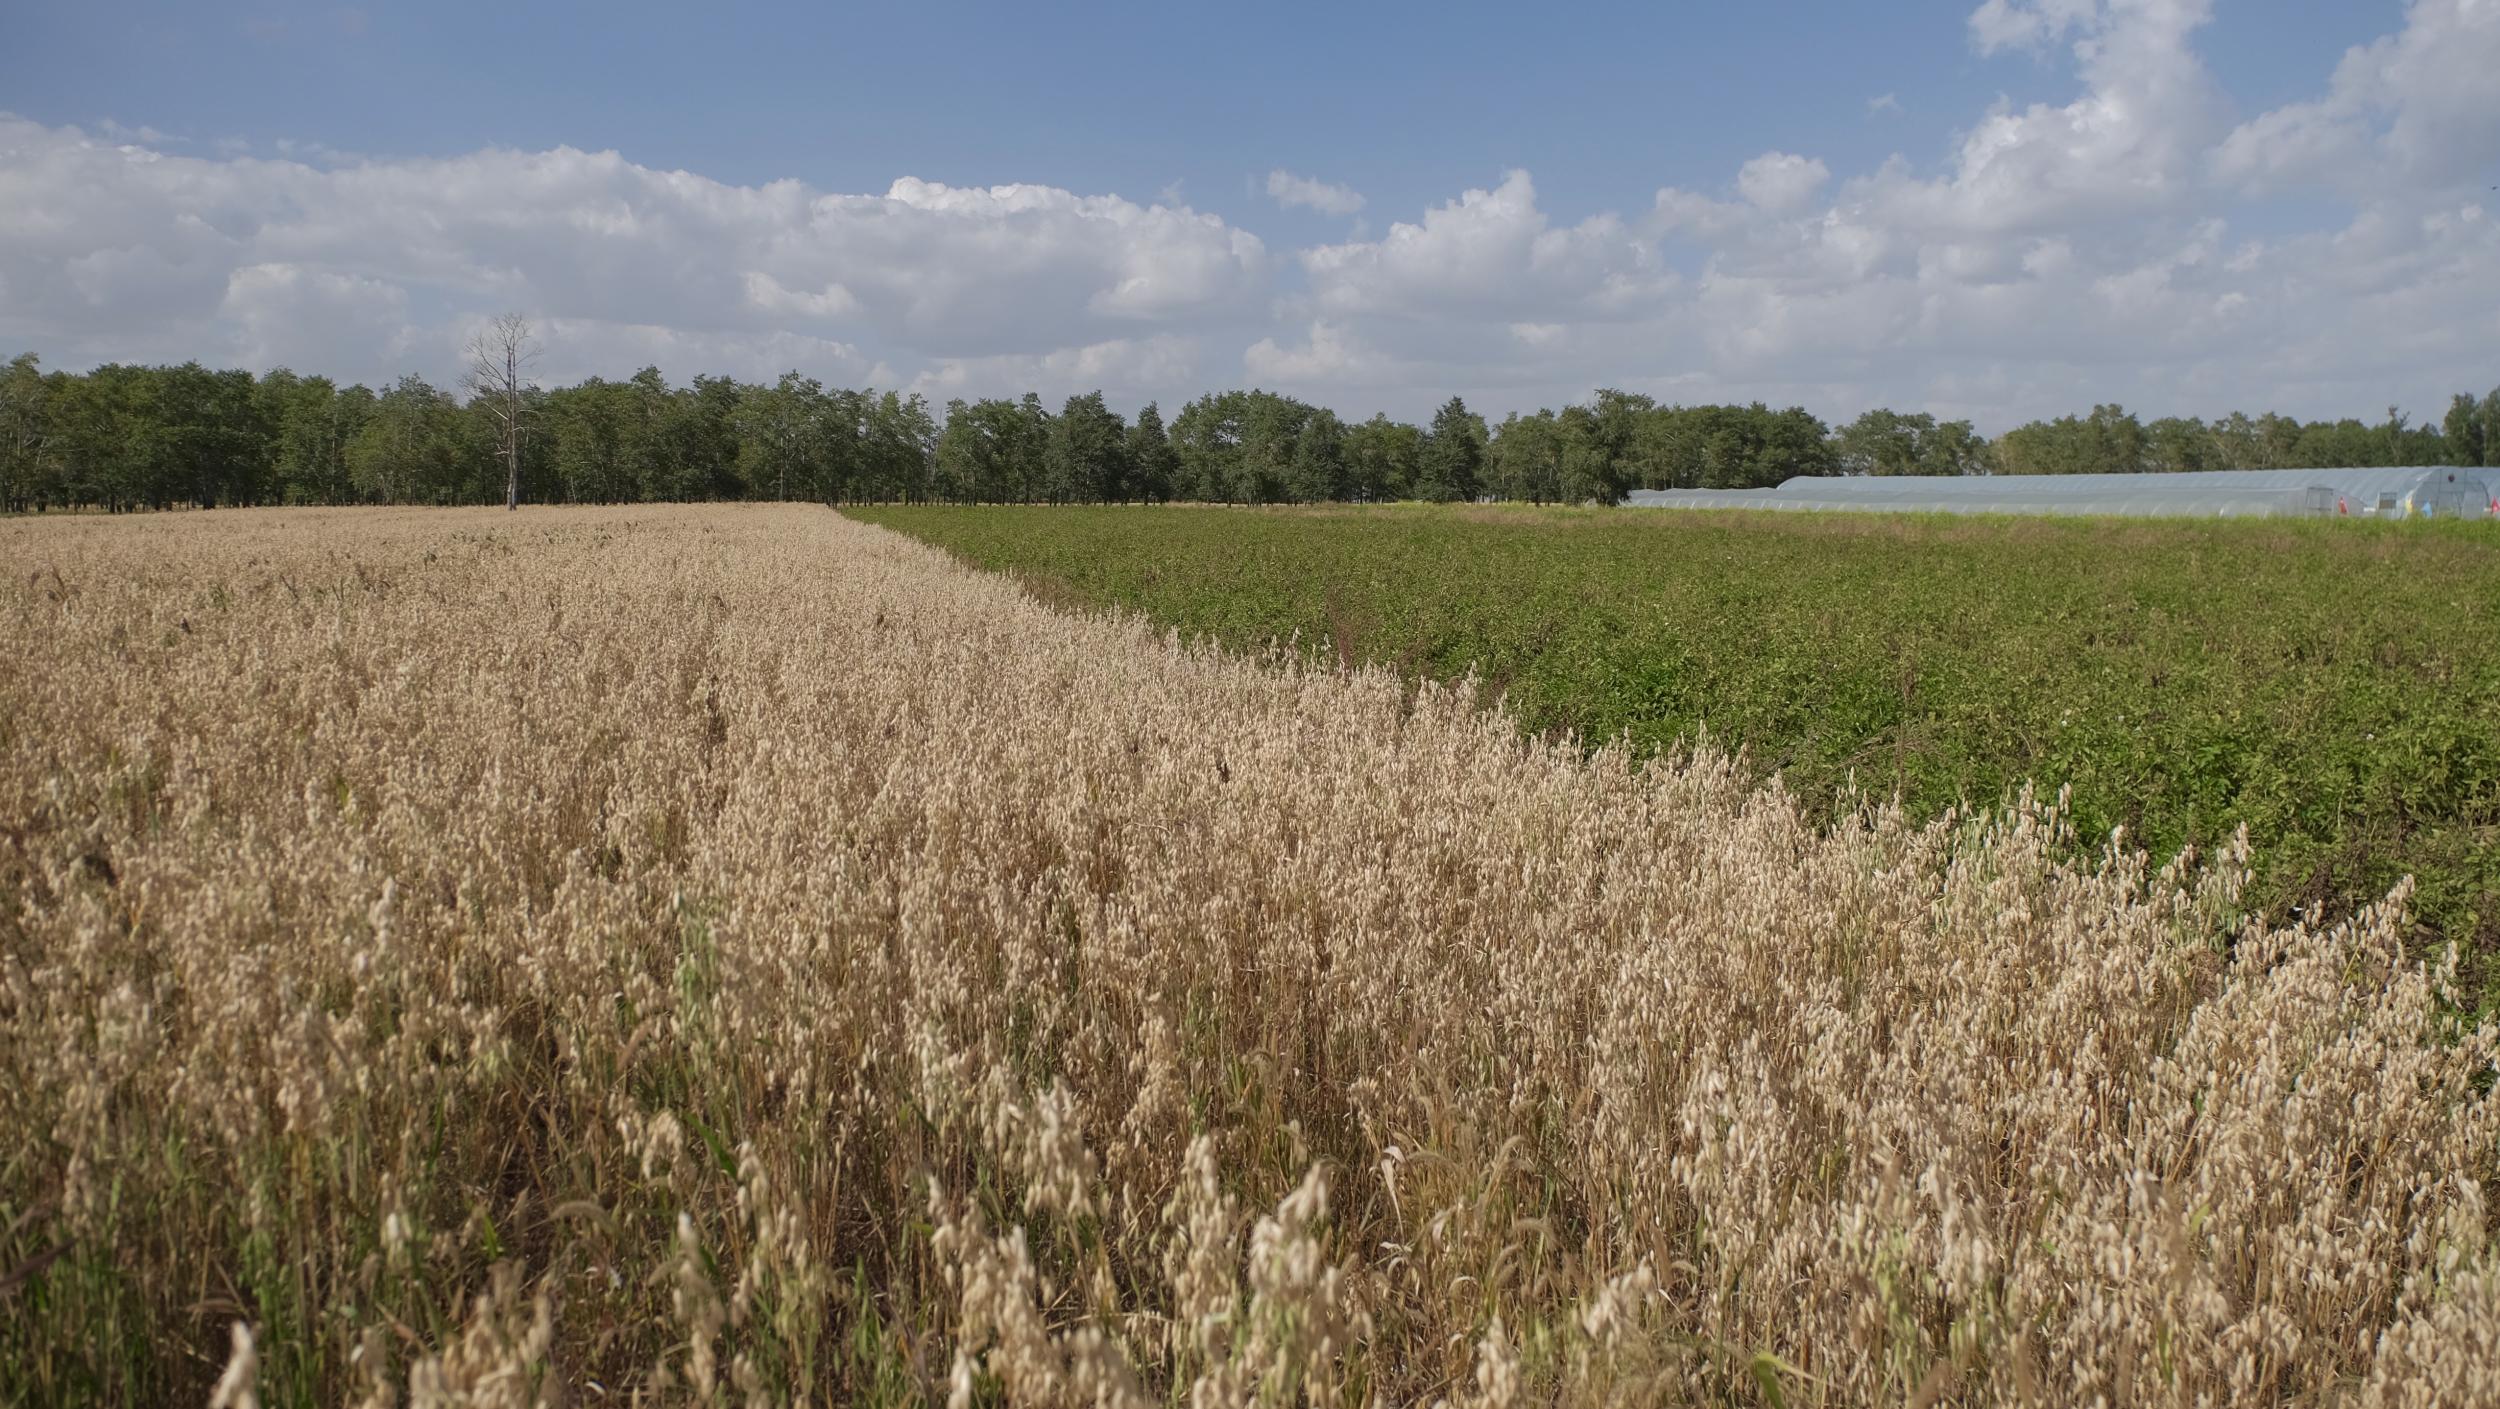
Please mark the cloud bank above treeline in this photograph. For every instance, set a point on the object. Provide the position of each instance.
(2131, 244)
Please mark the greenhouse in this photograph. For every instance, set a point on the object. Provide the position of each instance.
(2413, 492)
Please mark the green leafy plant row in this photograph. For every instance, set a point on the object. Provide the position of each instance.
(2335, 686)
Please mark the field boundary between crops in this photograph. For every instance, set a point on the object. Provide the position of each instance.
(1853, 657)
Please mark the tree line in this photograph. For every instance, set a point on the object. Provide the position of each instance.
(2112, 441)
(126, 437)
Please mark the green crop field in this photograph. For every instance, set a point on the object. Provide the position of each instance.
(2335, 686)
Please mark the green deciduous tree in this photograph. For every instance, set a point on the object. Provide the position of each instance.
(1239, 446)
(898, 440)
(26, 460)
(2109, 441)
(316, 423)
(416, 448)
(978, 452)
(1088, 459)
(2180, 443)
(122, 436)
(1318, 474)
(1883, 442)
(2462, 431)
(1152, 464)
(1381, 457)
(783, 440)
(1524, 460)
(1452, 463)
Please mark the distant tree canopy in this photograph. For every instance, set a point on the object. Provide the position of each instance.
(126, 437)
(2112, 441)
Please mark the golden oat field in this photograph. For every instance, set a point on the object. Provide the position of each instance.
(737, 955)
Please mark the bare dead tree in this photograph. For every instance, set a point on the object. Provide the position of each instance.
(500, 358)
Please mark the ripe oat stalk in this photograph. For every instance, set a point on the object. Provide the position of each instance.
(737, 955)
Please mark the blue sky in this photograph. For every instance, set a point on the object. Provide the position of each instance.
(1405, 102)
(1996, 209)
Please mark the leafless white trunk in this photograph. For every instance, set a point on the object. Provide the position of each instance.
(500, 358)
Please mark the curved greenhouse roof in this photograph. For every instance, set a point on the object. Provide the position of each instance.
(2419, 491)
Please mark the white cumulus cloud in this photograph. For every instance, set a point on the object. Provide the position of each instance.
(2106, 232)
(1781, 182)
(115, 250)
(2417, 107)
(1127, 370)
(1289, 190)
(1490, 253)
(2054, 254)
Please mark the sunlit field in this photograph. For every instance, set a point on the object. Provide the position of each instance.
(2325, 685)
(740, 954)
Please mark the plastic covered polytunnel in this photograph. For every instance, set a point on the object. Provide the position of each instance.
(2420, 491)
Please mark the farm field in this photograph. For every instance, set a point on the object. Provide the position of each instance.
(740, 954)
(2335, 687)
